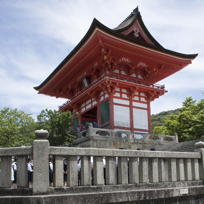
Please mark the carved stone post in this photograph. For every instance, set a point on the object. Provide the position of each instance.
(41, 162)
(199, 147)
(5, 173)
(90, 130)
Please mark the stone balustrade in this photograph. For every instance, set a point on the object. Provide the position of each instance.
(98, 167)
(125, 166)
(21, 154)
(125, 134)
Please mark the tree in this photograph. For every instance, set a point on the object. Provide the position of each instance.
(188, 124)
(158, 119)
(16, 128)
(160, 130)
(59, 125)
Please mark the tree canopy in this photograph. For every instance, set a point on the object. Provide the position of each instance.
(16, 128)
(158, 119)
(187, 123)
(58, 124)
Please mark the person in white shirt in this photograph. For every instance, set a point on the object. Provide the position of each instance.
(51, 172)
(79, 170)
(30, 172)
(14, 173)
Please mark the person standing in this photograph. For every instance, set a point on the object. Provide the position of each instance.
(79, 170)
(30, 172)
(51, 172)
(14, 173)
(65, 171)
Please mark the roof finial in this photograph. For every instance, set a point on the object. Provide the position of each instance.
(136, 10)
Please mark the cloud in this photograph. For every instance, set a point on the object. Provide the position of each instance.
(35, 36)
(18, 93)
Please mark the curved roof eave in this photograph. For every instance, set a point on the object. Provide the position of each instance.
(161, 49)
(66, 59)
(96, 24)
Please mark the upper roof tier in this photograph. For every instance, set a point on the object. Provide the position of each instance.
(130, 39)
(134, 27)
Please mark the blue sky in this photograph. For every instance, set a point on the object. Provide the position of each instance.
(35, 36)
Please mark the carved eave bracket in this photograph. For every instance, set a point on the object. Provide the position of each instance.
(108, 61)
(131, 92)
(152, 95)
(95, 95)
(108, 87)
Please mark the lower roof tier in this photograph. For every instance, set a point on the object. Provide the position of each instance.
(110, 86)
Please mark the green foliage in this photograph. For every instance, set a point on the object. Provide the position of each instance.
(188, 123)
(158, 119)
(59, 126)
(160, 130)
(16, 128)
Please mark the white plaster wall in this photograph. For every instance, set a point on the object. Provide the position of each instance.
(124, 90)
(124, 96)
(117, 94)
(121, 116)
(141, 105)
(136, 98)
(121, 101)
(143, 99)
(140, 118)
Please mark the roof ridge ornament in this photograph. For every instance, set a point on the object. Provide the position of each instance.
(136, 10)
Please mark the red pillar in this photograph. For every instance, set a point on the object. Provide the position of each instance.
(149, 117)
(131, 115)
(99, 113)
(111, 111)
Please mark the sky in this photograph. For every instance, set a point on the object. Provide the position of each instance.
(35, 36)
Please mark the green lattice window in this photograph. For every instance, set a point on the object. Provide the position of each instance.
(105, 112)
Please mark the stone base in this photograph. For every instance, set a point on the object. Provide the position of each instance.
(118, 143)
(178, 195)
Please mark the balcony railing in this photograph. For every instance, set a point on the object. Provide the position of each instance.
(125, 134)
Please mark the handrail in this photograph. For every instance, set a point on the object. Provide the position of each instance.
(15, 151)
(102, 152)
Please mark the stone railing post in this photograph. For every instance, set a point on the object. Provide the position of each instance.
(176, 138)
(90, 131)
(41, 162)
(199, 147)
(5, 172)
(130, 136)
(161, 138)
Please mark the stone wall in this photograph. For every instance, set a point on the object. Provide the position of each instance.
(191, 195)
